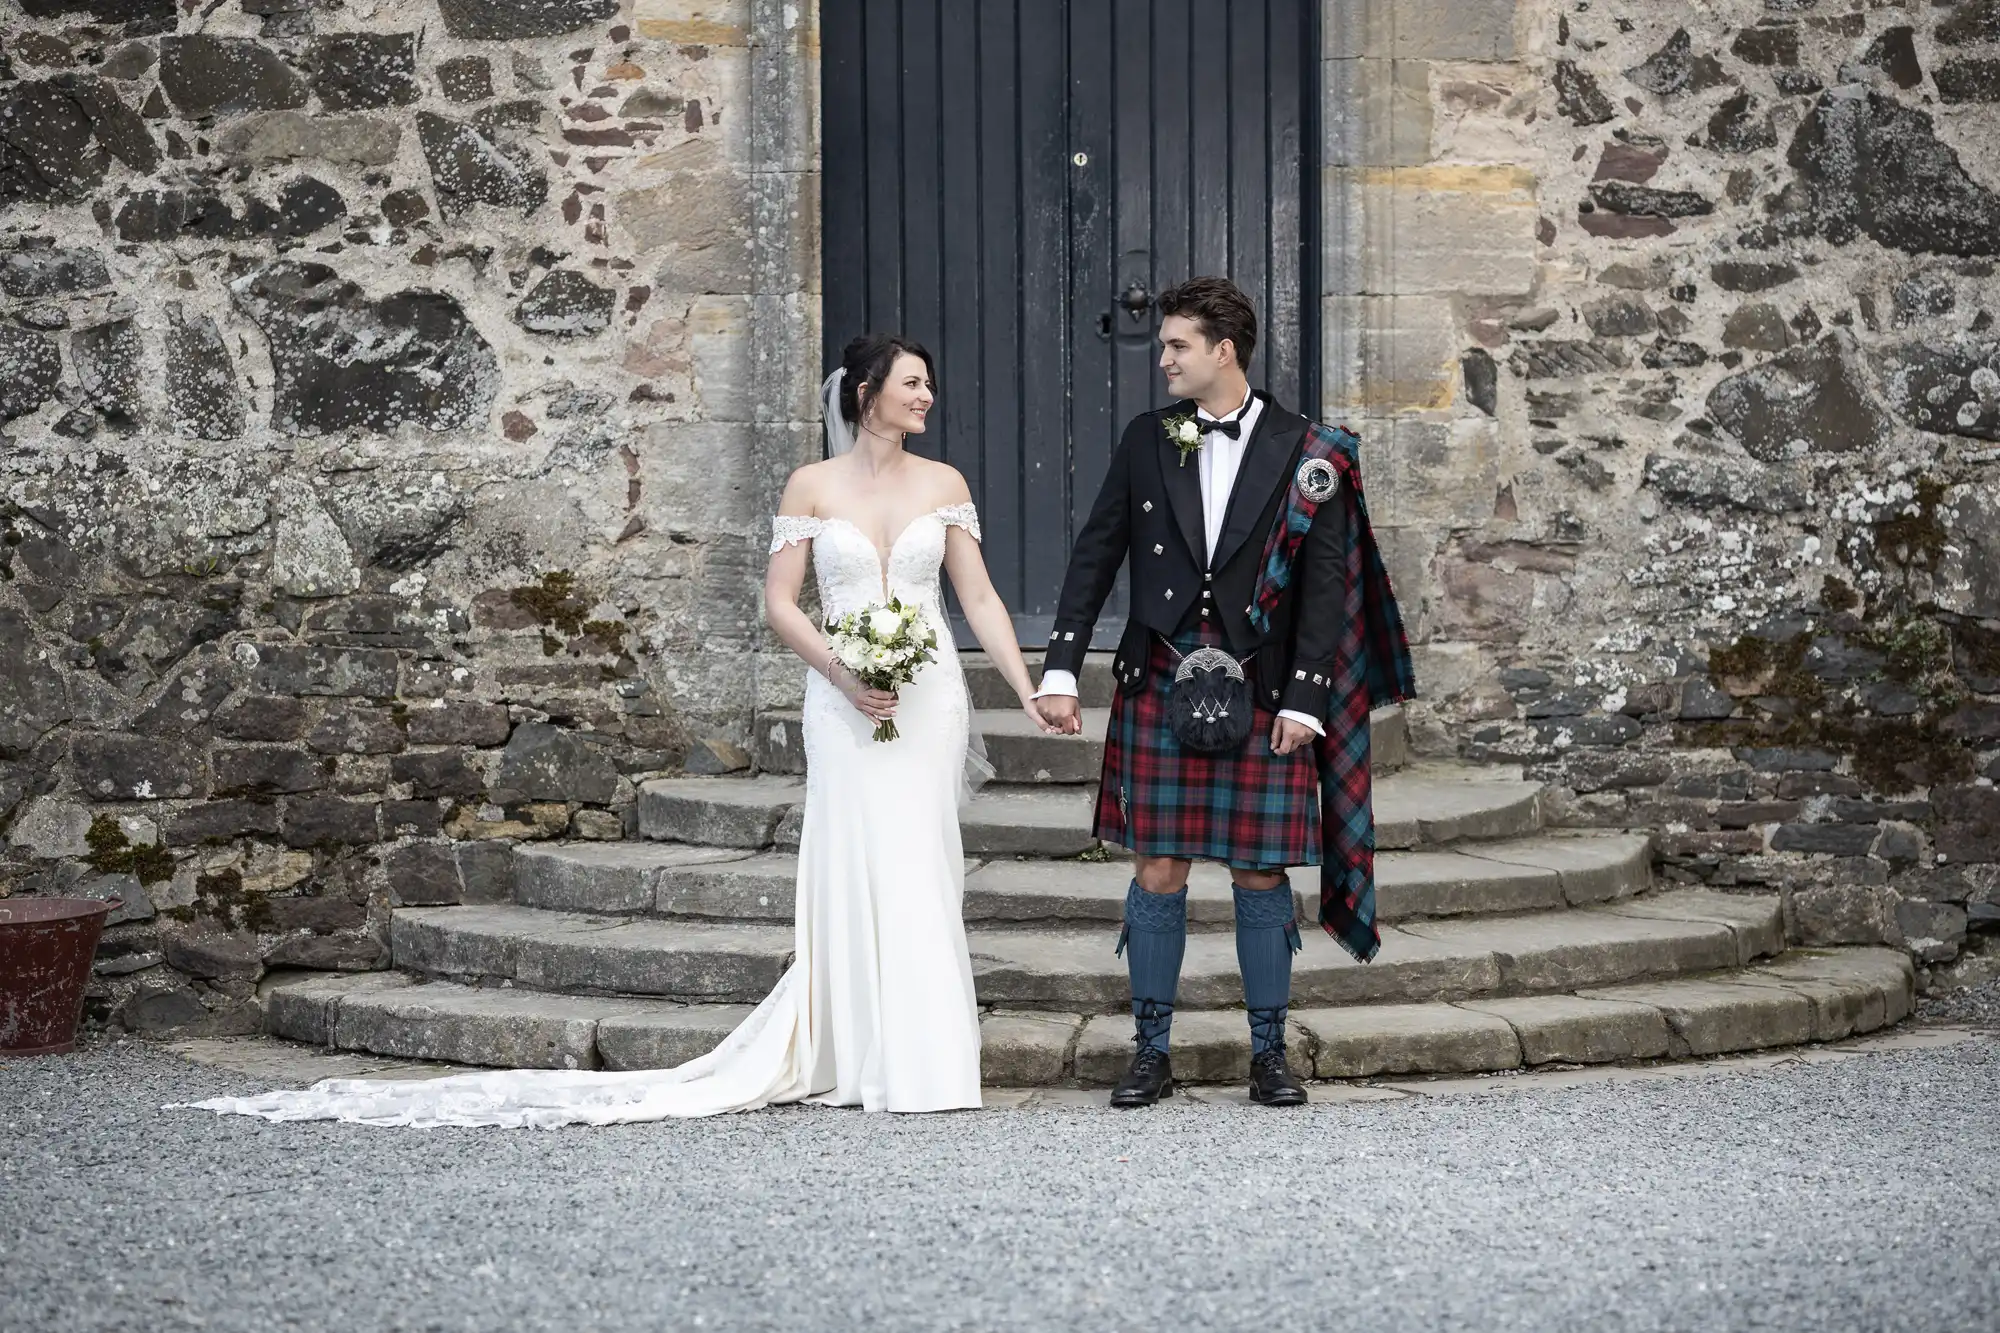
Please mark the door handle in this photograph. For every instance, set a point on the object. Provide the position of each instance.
(1136, 300)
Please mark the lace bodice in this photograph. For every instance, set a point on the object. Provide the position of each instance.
(851, 571)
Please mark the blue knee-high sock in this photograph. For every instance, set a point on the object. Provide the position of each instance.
(1267, 935)
(1153, 941)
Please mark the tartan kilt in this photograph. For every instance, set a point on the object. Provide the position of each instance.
(1250, 808)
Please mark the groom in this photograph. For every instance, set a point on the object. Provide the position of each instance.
(1244, 529)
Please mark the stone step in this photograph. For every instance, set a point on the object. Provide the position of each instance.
(1804, 995)
(1640, 939)
(1426, 806)
(1543, 872)
(1022, 752)
(989, 689)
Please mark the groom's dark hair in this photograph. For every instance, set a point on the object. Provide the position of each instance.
(1220, 310)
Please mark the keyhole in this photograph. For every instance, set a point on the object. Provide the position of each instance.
(1104, 326)
(1081, 159)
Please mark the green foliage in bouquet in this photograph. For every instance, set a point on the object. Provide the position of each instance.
(883, 645)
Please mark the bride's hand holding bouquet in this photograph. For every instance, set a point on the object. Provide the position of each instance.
(878, 650)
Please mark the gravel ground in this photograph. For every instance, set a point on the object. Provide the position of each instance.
(1974, 1005)
(1857, 1194)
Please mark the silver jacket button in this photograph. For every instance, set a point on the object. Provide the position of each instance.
(1159, 550)
(1170, 594)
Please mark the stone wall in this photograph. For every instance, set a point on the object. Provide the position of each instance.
(1670, 329)
(391, 395)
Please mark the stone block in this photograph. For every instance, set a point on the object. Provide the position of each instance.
(1377, 112)
(1024, 1050)
(1712, 1017)
(689, 226)
(267, 770)
(1389, 354)
(312, 669)
(349, 730)
(437, 773)
(506, 1029)
(359, 70)
(1572, 1030)
(423, 875)
(545, 763)
(486, 869)
(261, 717)
(1822, 914)
(664, 1038)
(566, 304)
(1420, 29)
(28, 275)
(429, 365)
(517, 20)
(1209, 1046)
(466, 78)
(220, 821)
(1367, 1040)
(202, 399)
(1444, 230)
(114, 768)
(316, 821)
(279, 136)
(212, 954)
(458, 722)
(206, 76)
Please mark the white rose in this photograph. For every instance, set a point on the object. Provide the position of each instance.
(884, 623)
(852, 655)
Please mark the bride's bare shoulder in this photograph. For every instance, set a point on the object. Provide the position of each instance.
(944, 481)
(805, 488)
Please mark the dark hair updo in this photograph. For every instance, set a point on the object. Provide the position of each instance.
(868, 360)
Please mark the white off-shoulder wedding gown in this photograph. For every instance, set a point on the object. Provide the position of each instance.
(877, 1008)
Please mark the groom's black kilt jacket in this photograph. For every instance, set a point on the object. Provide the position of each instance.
(1149, 515)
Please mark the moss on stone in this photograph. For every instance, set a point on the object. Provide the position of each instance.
(220, 894)
(112, 853)
(1836, 596)
(554, 600)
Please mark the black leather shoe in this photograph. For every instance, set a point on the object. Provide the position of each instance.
(1150, 1078)
(1271, 1081)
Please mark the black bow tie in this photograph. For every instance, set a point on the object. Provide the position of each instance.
(1229, 426)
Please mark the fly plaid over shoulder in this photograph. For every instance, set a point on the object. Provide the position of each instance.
(1371, 668)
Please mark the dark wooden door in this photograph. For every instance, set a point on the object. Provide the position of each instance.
(1011, 181)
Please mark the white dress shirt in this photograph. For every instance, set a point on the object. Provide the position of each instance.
(1220, 459)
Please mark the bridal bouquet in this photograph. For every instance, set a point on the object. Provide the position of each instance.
(883, 646)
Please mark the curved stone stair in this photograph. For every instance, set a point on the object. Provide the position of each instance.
(1504, 944)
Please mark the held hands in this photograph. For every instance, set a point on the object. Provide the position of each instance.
(1060, 713)
(1037, 711)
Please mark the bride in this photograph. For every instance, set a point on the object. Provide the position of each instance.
(877, 1009)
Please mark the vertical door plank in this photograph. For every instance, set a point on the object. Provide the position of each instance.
(957, 417)
(1210, 139)
(1000, 280)
(923, 274)
(1045, 291)
(1093, 267)
(1250, 96)
(1170, 90)
(883, 147)
(1292, 161)
(844, 188)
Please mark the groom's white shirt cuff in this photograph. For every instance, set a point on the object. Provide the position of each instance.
(1063, 684)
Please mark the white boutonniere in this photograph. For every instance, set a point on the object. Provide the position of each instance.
(1185, 432)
